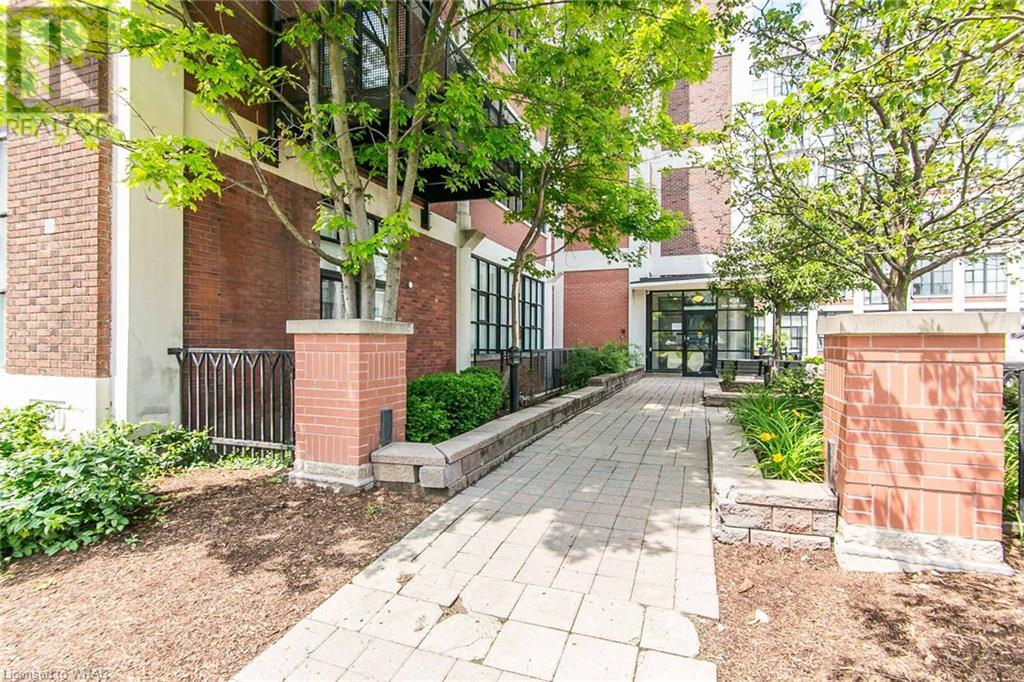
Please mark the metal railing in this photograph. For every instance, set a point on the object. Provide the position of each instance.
(1013, 379)
(533, 374)
(243, 397)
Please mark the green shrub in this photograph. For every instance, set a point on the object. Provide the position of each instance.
(23, 428)
(466, 400)
(425, 420)
(586, 363)
(728, 373)
(817, 360)
(1011, 447)
(65, 493)
(174, 447)
(786, 438)
(801, 385)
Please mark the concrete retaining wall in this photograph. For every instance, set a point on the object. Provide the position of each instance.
(749, 509)
(451, 465)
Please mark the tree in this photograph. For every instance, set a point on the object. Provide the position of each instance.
(591, 79)
(766, 265)
(424, 113)
(894, 154)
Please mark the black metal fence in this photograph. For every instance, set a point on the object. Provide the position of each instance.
(1013, 382)
(533, 374)
(244, 398)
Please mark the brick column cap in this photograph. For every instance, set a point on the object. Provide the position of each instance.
(974, 322)
(352, 327)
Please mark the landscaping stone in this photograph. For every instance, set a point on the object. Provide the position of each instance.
(529, 650)
(671, 632)
(655, 666)
(745, 515)
(404, 620)
(586, 659)
(614, 619)
(464, 635)
(397, 473)
(789, 520)
(547, 606)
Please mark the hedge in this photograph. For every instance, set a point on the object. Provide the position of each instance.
(441, 406)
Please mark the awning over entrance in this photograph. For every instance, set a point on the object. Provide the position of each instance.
(698, 280)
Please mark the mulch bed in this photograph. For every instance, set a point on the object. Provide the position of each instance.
(236, 558)
(826, 624)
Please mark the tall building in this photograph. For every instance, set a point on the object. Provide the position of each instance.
(663, 307)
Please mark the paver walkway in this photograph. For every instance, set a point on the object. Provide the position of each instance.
(574, 560)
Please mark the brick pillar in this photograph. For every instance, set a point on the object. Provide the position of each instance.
(346, 372)
(914, 429)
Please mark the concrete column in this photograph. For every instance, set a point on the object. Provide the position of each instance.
(347, 372)
(914, 438)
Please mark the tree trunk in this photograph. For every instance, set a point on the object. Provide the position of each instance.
(776, 340)
(898, 294)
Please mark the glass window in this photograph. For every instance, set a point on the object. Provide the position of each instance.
(938, 282)
(875, 296)
(492, 324)
(986, 276)
(374, 58)
(332, 300)
(794, 334)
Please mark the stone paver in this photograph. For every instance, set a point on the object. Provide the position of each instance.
(575, 560)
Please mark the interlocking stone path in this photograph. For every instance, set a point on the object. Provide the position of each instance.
(574, 560)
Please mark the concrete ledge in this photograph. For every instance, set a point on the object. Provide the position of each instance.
(714, 396)
(366, 327)
(864, 548)
(343, 478)
(451, 465)
(975, 322)
(746, 508)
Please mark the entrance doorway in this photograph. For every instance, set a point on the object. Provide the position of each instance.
(681, 332)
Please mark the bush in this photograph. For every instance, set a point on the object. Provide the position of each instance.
(786, 438)
(1011, 447)
(24, 428)
(174, 447)
(466, 400)
(425, 420)
(585, 363)
(62, 494)
(801, 385)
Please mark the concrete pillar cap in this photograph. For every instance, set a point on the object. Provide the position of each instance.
(364, 327)
(973, 322)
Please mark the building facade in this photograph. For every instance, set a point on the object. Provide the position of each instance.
(99, 280)
(664, 308)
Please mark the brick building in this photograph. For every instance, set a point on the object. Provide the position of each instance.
(98, 280)
(664, 305)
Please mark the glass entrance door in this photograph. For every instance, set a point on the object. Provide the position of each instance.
(699, 342)
(681, 332)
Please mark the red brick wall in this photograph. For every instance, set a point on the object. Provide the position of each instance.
(58, 285)
(596, 307)
(429, 304)
(704, 104)
(244, 275)
(917, 422)
(701, 196)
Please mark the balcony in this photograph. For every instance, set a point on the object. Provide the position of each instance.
(366, 76)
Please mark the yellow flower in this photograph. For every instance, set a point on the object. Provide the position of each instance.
(766, 437)
(777, 457)
(798, 414)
